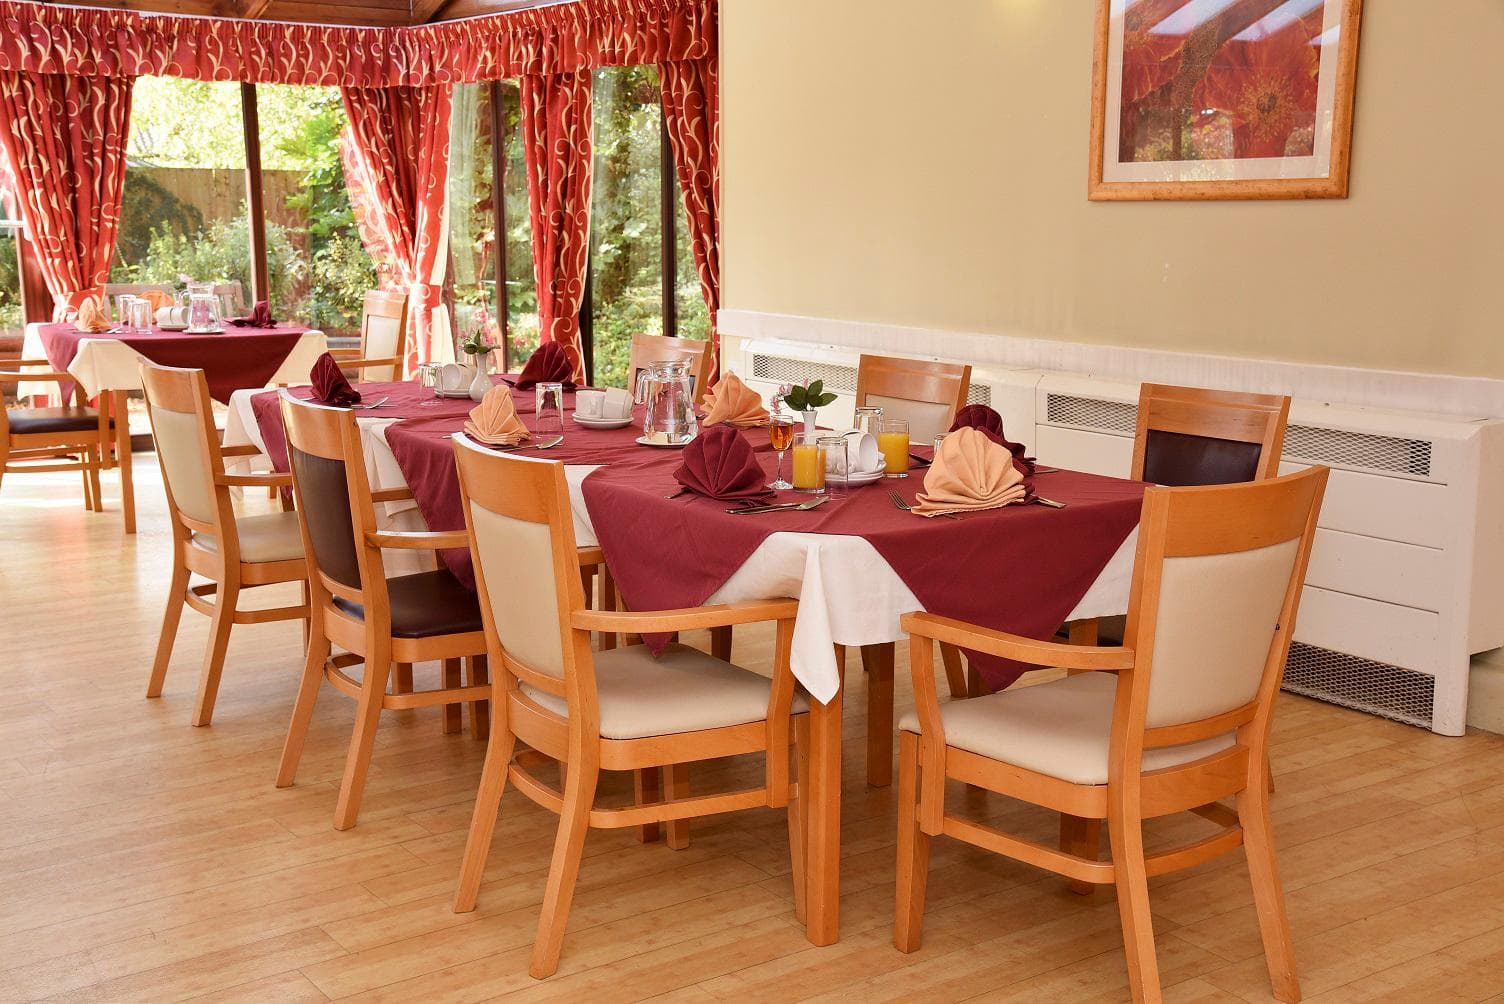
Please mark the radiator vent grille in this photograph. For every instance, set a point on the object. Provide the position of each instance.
(979, 393)
(1359, 449)
(1353, 682)
(781, 369)
(1091, 413)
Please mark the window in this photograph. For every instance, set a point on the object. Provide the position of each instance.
(183, 210)
(11, 316)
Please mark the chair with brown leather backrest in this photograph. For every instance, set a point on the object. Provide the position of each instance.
(652, 348)
(925, 393)
(1190, 436)
(377, 621)
(208, 538)
(68, 438)
(618, 710)
(383, 331)
(1174, 721)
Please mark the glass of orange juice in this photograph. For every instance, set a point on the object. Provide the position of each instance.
(809, 464)
(893, 444)
(780, 435)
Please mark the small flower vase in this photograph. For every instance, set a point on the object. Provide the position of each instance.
(482, 380)
(809, 421)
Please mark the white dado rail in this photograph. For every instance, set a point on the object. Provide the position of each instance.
(1407, 576)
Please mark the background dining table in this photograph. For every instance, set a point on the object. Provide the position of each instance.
(857, 563)
(107, 366)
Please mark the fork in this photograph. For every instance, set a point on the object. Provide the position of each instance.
(899, 503)
(373, 404)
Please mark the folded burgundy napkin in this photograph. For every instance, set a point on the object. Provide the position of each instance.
(329, 384)
(990, 423)
(259, 317)
(720, 464)
(550, 364)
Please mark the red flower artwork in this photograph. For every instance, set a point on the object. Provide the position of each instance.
(1150, 59)
(1264, 80)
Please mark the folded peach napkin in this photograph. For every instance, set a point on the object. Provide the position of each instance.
(970, 473)
(91, 318)
(158, 299)
(494, 421)
(734, 403)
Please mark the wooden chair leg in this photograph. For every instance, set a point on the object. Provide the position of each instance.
(170, 620)
(647, 789)
(1268, 894)
(798, 817)
(302, 710)
(451, 680)
(219, 642)
(402, 678)
(720, 643)
(1083, 838)
(367, 718)
(1125, 831)
(480, 711)
(823, 828)
(569, 847)
(955, 671)
(493, 782)
(88, 489)
(97, 456)
(123, 455)
(1082, 632)
(878, 661)
(974, 685)
(608, 601)
(913, 850)
(676, 785)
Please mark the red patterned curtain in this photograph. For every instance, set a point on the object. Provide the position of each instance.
(557, 138)
(401, 154)
(65, 138)
(692, 112)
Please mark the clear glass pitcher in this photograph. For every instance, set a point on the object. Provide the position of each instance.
(667, 389)
(192, 289)
(203, 312)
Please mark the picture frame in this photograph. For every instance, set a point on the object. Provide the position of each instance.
(1223, 99)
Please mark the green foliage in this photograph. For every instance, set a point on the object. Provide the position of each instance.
(339, 274)
(219, 252)
(149, 208)
(10, 281)
(807, 397)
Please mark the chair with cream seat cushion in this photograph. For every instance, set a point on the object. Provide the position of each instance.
(383, 333)
(208, 537)
(1181, 723)
(618, 710)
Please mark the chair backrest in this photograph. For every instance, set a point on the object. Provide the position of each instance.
(383, 328)
(651, 348)
(925, 393)
(182, 423)
(1216, 589)
(527, 572)
(114, 289)
(1191, 436)
(335, 511)
(231, 296)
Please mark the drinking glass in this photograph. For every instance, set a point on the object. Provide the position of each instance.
(893, 443)
(867, 420)
(123, 310)
(428, 379)
(140, 316)
(809, 464)
(938, 440)
(780, 435)
(837, 465)
(548, 409)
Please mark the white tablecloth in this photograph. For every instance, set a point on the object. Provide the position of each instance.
(848, 594)
(106, 363)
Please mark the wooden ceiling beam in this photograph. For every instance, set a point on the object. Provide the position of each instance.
(251, 10)
(424, 11)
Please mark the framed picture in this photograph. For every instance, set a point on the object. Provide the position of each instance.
(1223, 99)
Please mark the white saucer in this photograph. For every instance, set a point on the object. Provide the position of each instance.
(202, 331)
(602, 423)
(861, 478)
(645, 441)
(456, 394)
(173, 327)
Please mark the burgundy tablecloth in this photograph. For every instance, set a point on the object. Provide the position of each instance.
(237, 359)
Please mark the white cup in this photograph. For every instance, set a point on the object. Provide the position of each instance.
(590, 403)
(615, 403)
(454, 378)
(861, 447)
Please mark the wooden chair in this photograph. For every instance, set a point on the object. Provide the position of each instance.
(68, 438)
(208, 538)
(615, 710)
(1189, 436)
(1184, 724)
(114, 289)
(383, 331)
(377, 621)
(652, 348)
(927, 394)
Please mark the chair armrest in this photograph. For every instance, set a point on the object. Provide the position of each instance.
(684, 619)
(402, 494)
(8, 376)
(242, 450)
(419, 540)
(342, 354)
(1011, 646)
(589, 557)
(270, 480)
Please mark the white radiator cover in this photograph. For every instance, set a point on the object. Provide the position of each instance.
(1407, 576)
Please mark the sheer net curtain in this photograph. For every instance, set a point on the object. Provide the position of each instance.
(64, 138)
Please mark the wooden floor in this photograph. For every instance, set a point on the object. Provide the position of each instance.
(142, 859)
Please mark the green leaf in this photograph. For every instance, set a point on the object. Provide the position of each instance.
(815, 387)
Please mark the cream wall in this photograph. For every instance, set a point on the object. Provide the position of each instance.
(924, 163)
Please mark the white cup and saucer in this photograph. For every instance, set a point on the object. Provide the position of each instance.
(603, 409)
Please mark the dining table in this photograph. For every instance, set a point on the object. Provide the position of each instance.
(856, 563)
(107, 366)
